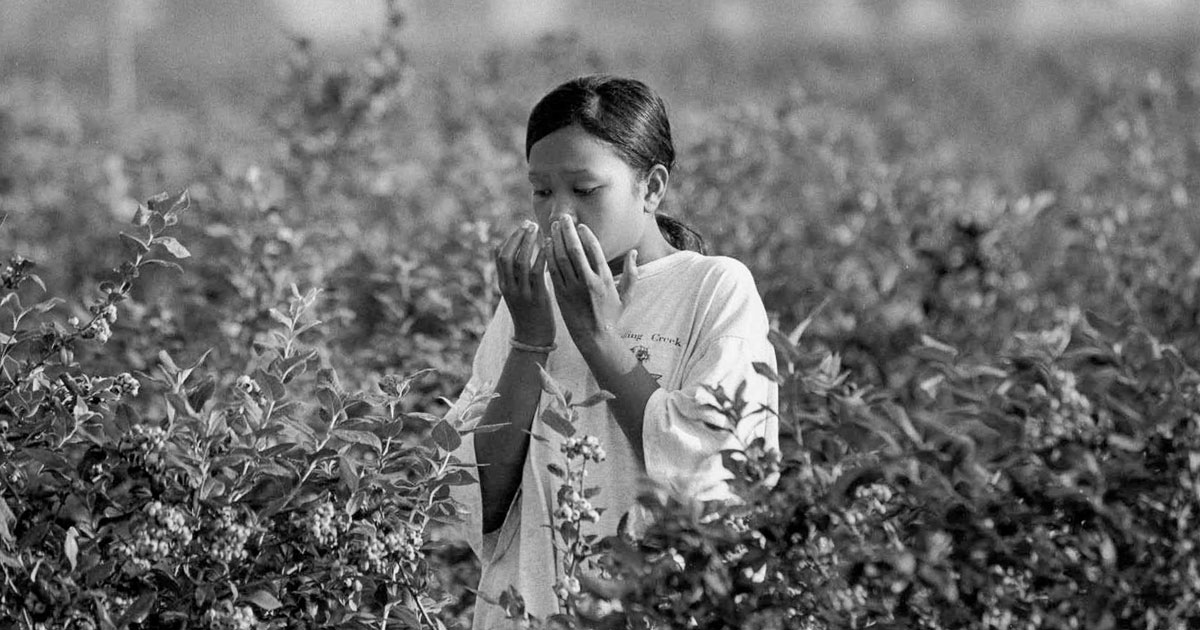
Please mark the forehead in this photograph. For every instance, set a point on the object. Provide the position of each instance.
(572, 150)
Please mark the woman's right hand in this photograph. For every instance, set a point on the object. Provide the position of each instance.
(521, 270)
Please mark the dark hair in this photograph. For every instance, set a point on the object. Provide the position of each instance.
(626, 114)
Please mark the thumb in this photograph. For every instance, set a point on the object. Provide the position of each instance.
(629, 274)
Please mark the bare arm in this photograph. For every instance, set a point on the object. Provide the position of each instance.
(501, 453)
(591, 303)
(520, 269)
(618, 372)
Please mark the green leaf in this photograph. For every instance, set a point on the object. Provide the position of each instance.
(212, 487)
(263, 600)
(137, 244)
(278, 316)
(595, 399)
(6, 519)
(481, 429)
(556, 420)
(141, 216)
(797, 332)
(273, 385)
(48, 305)
(548, 383)
(1126, 443)
(173, 246)
(157, 200)
(71, 547)
(167, 361)
(163, 263)
(181, 203)
(933, 350)
(139, 610)
(767, 371)
(362, 437)
(445, 436)
(348, 473)
(202, 392)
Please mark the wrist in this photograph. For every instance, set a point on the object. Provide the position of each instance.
(599, 343)
(520, 346)
(531, 339)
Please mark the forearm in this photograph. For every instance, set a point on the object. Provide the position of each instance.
(618, 372)
(501, 453)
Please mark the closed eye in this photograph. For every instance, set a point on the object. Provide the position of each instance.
(584, 192)
(541, 192)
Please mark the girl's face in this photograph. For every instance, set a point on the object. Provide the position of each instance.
(576, 175)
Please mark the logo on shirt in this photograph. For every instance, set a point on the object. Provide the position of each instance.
(642, 353)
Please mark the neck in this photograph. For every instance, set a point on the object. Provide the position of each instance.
(652, 247)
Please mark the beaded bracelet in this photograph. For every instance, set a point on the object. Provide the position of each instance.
(517, 345)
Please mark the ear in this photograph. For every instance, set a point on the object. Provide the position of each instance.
(655, 187)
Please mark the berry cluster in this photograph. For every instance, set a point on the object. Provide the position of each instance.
(573, 507)
(873, 498)
(100, 326)
(229, 537)
(124, 384)
(1062, 412)
(249, 387)
(323, 525)
(390, 553)
(66, 394)
(1014, 586)
(848, 599)
(15, 272)
(587, 447)
(6, 447)
(162, 532)
(146, 445)
(226, 616)
(567, 587)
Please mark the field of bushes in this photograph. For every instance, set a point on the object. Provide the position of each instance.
(229, 329)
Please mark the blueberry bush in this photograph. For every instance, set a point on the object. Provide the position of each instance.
(979, 268)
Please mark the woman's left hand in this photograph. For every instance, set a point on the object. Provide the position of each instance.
(588, 298)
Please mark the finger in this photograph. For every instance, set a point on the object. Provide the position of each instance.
(538, 271)
(505, 258)
(594, 253)
(629, 274)
(502, 278)
(566, 267)
(556, 276)
(524, 259)
(575, 253)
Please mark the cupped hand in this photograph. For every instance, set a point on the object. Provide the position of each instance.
(520, 268)
(589, 299)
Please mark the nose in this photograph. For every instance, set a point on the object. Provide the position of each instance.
(560, 207)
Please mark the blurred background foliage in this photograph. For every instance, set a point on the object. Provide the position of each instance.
(924, 166)
(945, 176)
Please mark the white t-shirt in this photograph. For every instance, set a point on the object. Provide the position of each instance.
(692, 320)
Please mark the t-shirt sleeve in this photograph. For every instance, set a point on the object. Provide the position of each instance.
(683, 453)
(464, 414)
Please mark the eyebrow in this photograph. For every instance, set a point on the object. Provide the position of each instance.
(577, 171)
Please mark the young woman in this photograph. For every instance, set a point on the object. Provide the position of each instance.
(603, 293)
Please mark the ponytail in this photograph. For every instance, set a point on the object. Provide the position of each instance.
(680, 235)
